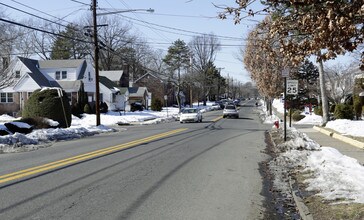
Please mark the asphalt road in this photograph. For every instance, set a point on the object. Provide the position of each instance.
(207, 170)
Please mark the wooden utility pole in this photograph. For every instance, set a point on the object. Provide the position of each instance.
(97, 104)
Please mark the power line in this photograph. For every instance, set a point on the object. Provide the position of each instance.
(44, 31)
(27, 6)
(182, 30)
(32, 14)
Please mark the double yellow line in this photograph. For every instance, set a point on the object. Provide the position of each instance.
(60, 163)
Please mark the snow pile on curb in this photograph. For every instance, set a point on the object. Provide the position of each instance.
(328, 173)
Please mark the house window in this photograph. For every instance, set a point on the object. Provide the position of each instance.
(101, 97)
(58, 75)
(6, 97)
(89, 77)
(64, 74)
(17, 74)
(10, 97)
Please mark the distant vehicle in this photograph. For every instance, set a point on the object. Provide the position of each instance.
(230, 111)
(236, 102)
(215, 106)
(190, 115)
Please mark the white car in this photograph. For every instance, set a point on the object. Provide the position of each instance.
(230, 111)
(190, 115)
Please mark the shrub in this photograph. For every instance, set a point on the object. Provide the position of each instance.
(103, 107)
(296, 115)
(48, 104)
(87, 109)
(332, 108)
(156, 105)
(357, 108)
(343, 111)
(76, 109)
(318, 110)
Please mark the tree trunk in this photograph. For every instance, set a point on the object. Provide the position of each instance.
(325, 104)
(179, 89)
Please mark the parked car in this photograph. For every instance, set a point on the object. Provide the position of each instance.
(190, 115)
(230, 111)
(215, 106)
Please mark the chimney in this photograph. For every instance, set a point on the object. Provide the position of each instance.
(124, 82)
(6, 61)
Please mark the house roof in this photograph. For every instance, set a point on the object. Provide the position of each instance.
(137, 91)
(107, 82)
(123, 90)
(60, 63)
(148, 74)
(113, 75)
(70, 85)
(41, 79)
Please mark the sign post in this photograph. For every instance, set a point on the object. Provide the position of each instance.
(285, 74)
(166, 101)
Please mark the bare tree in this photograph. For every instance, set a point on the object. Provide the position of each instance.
(204, 49)
(339, 81)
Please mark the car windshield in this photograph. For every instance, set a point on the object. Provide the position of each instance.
(230, 107)
(189, 111)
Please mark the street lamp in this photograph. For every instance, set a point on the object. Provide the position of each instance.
(97, 89)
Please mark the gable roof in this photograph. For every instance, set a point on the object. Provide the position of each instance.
(113, 75)
(107, 82)
(148, 74)
(137, 91)
(41, 79)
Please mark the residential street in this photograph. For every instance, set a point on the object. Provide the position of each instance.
(205, 171)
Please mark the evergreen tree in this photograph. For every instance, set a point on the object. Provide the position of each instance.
(72, 46)
(177, 60)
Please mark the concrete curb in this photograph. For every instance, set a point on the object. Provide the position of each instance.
(302, 208)
(340, 137)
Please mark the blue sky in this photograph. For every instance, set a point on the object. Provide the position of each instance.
(172, 20)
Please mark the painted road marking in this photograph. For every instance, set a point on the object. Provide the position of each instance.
(216, 119)
(82, 157)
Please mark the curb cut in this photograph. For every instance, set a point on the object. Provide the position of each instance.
(340, 137)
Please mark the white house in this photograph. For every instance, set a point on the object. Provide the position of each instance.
(114, 96)
(24, 75)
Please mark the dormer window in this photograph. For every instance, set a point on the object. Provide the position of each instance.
(17, 74)
(58, 75)
(64, 74)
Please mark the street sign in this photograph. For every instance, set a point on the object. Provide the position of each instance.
(292, 87)
(285, 72)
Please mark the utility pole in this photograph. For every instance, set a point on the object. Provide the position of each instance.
(97, 104)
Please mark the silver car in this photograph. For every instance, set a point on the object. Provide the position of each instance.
(230, 111)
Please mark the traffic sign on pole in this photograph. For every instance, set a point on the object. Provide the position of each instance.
(292, 87)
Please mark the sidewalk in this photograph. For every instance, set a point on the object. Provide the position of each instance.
(324, 137)
(331, 139)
